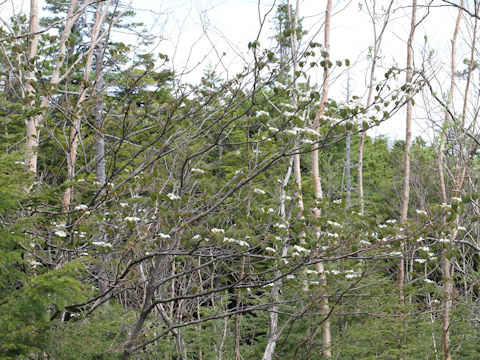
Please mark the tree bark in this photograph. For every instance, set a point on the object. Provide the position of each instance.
(32, 141)
(317, 186)
(100, 15)
(376, 48)
(35, 121)
(408, 144)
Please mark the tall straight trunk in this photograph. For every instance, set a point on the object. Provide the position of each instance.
(447, 286)
(408, 145)
(458, 182)
(376, 48)
(76, 125)
(317, 186)
(273, 332)
(348, 169)
(35, 122)
(296, 157)
(32, 141)
(100, 135)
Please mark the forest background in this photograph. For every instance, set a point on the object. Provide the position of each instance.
(249, 213)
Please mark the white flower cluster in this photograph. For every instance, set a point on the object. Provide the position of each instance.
(270, 250)
(132, 219)
(261, 113)
(421, 212)
(60, 233)
(391, 221)
(272, 129)
(102, 244)
(237, 242)
(81, 207)
(395, 253)
(298, 130)
(259, 191)
(457, 199)
(338, 201)
(197, 170)
(217, 231)
(34, 263)
(280, 226)
(164, 236)
(334, 223)
(173, 197)
(301, 249)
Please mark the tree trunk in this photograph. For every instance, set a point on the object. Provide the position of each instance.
(100, 135)
(35, 121)
(446, 266)
(408, 144)
(32, 134)
(317, 186)
(376, 48)
(100, 14)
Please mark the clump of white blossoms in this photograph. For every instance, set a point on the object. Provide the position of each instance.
(132, 219)
(60, 233)
(457, 199)
(261, 113)
(164, 236)
(196, 237)
(301, 249)
(123, 204)
(339, 201)
(217, 231)
(81, 207)
(237, 242)
(395, 253)
(197, 170)
(270, 250)
(421, 212)
(391, 221)
(173, 196)
(259, 191)
(102, 244)
(428, 281)
(333, 223)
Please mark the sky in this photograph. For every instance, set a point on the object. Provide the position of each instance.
(201, 34)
